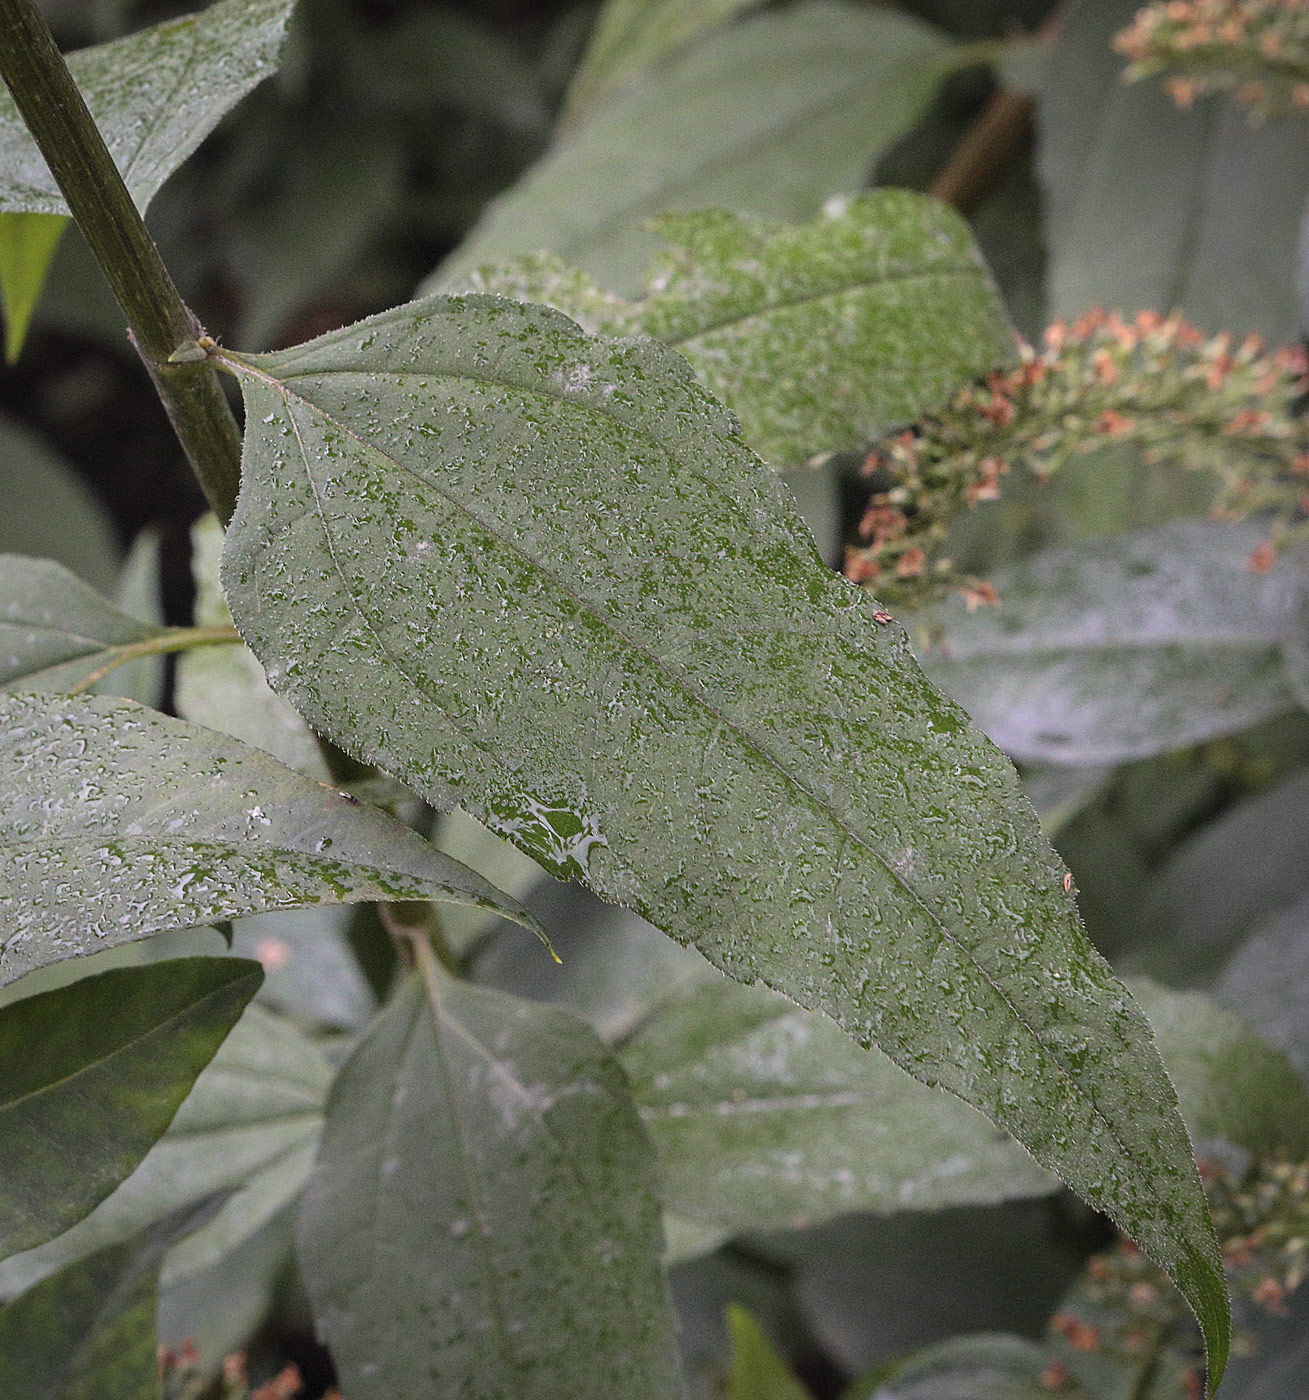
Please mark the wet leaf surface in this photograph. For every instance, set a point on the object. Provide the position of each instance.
(538, 575)
(120, 822)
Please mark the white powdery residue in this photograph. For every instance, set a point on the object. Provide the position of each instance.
(574, 380)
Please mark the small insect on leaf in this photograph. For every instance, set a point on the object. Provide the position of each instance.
(882, 617)
(1068, 882)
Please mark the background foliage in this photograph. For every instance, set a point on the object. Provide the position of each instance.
(833, 1229)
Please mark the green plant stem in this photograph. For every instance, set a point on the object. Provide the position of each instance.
(160, 322)
(178, 639)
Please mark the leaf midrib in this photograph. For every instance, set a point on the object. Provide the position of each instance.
(283, 389)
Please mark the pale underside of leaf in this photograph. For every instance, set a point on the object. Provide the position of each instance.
(537, 575)
(120, 822)
(766, 1117)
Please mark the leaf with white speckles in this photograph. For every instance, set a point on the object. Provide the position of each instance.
(119, 822)
(767, 1117)
(489, 1151)
(538, 575)
(155, 95)
(818, 336)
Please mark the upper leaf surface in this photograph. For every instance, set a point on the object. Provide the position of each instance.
(155, 96)
(770, 116)
(119, 822)
(818, 336)
(538, 575)
(766, 1117)
(92, 1073)
(489, 1150)
(56, 630)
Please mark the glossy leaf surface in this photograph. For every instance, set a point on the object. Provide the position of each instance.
(768, 1117)
(120, 822)
(770, 116)
(155, 96)
(538, 575)
(249, 1127)
(1124, 647)
(818, 336)
(55, 630)
(490, 1151)
(91, 1075)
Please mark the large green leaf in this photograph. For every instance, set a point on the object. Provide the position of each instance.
(1201, 207)
(631, 35)
(538, 575)
(224, 688)
(88, 1333)
(770, 116)
(1124, 647)
(155, 96)
(768, 1117)
(91, 1075)
(250, 1127)
(818, 336)
(119, 822)
(55, 630)
(490, 1153)
(1232, 1085)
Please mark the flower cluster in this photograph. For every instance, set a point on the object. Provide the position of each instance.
(1127, 1309)
(1154, 382)
(183, 1378)
(1257, 48)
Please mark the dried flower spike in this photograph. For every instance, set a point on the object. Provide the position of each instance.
(1154, 382)
(1258, 49)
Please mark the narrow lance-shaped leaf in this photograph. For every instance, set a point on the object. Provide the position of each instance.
(255, 1113)
(818, 336)
(538, 575)
(90, 1076)
(757, 1371)
(119, 822)
(155, 95)
(490, 1151)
